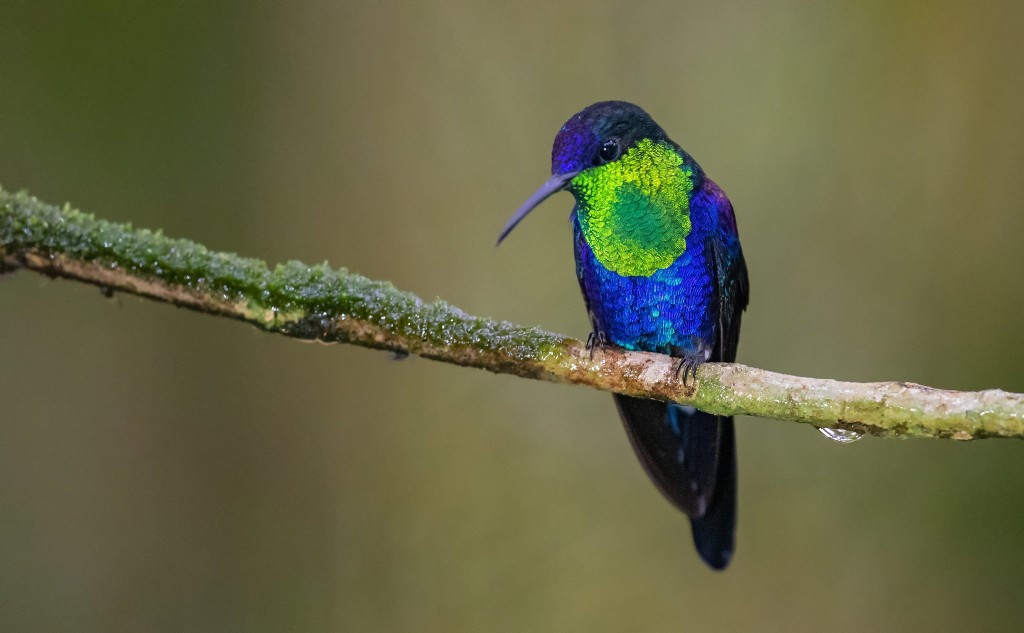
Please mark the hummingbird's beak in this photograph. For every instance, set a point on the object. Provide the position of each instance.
(554, 184)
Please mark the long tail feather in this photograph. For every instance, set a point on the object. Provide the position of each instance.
(691, 457)
(714, 534)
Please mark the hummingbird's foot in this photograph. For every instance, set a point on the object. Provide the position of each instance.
(688, 365)
(596, 340)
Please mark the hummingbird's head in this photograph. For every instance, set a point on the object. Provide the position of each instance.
(594, 137)
(600, 134)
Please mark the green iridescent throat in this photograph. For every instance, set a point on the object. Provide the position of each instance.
(635, 212)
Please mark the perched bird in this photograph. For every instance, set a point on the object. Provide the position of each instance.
(659, 262)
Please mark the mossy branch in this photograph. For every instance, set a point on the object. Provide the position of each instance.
(336, 306)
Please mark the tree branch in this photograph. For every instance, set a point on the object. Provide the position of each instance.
(336, 306)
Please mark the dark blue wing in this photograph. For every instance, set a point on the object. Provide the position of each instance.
(732, 287)
(714, 532)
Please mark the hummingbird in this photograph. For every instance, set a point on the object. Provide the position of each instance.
(659, 264)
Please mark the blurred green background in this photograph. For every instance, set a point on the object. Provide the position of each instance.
(166, 471)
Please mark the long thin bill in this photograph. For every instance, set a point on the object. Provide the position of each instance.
(553, 185)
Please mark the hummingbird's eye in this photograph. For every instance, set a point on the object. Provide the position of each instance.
(609, 151)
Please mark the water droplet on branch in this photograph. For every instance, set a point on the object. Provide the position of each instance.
(842, 436)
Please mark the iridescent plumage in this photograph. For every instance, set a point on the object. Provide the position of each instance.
(660, 266)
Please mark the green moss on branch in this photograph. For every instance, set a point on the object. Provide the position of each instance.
(334, 305)
(309, 302)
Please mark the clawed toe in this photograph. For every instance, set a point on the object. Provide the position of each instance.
(596, 340)
(687, 367)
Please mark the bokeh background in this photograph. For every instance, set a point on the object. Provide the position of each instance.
(167, 471)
